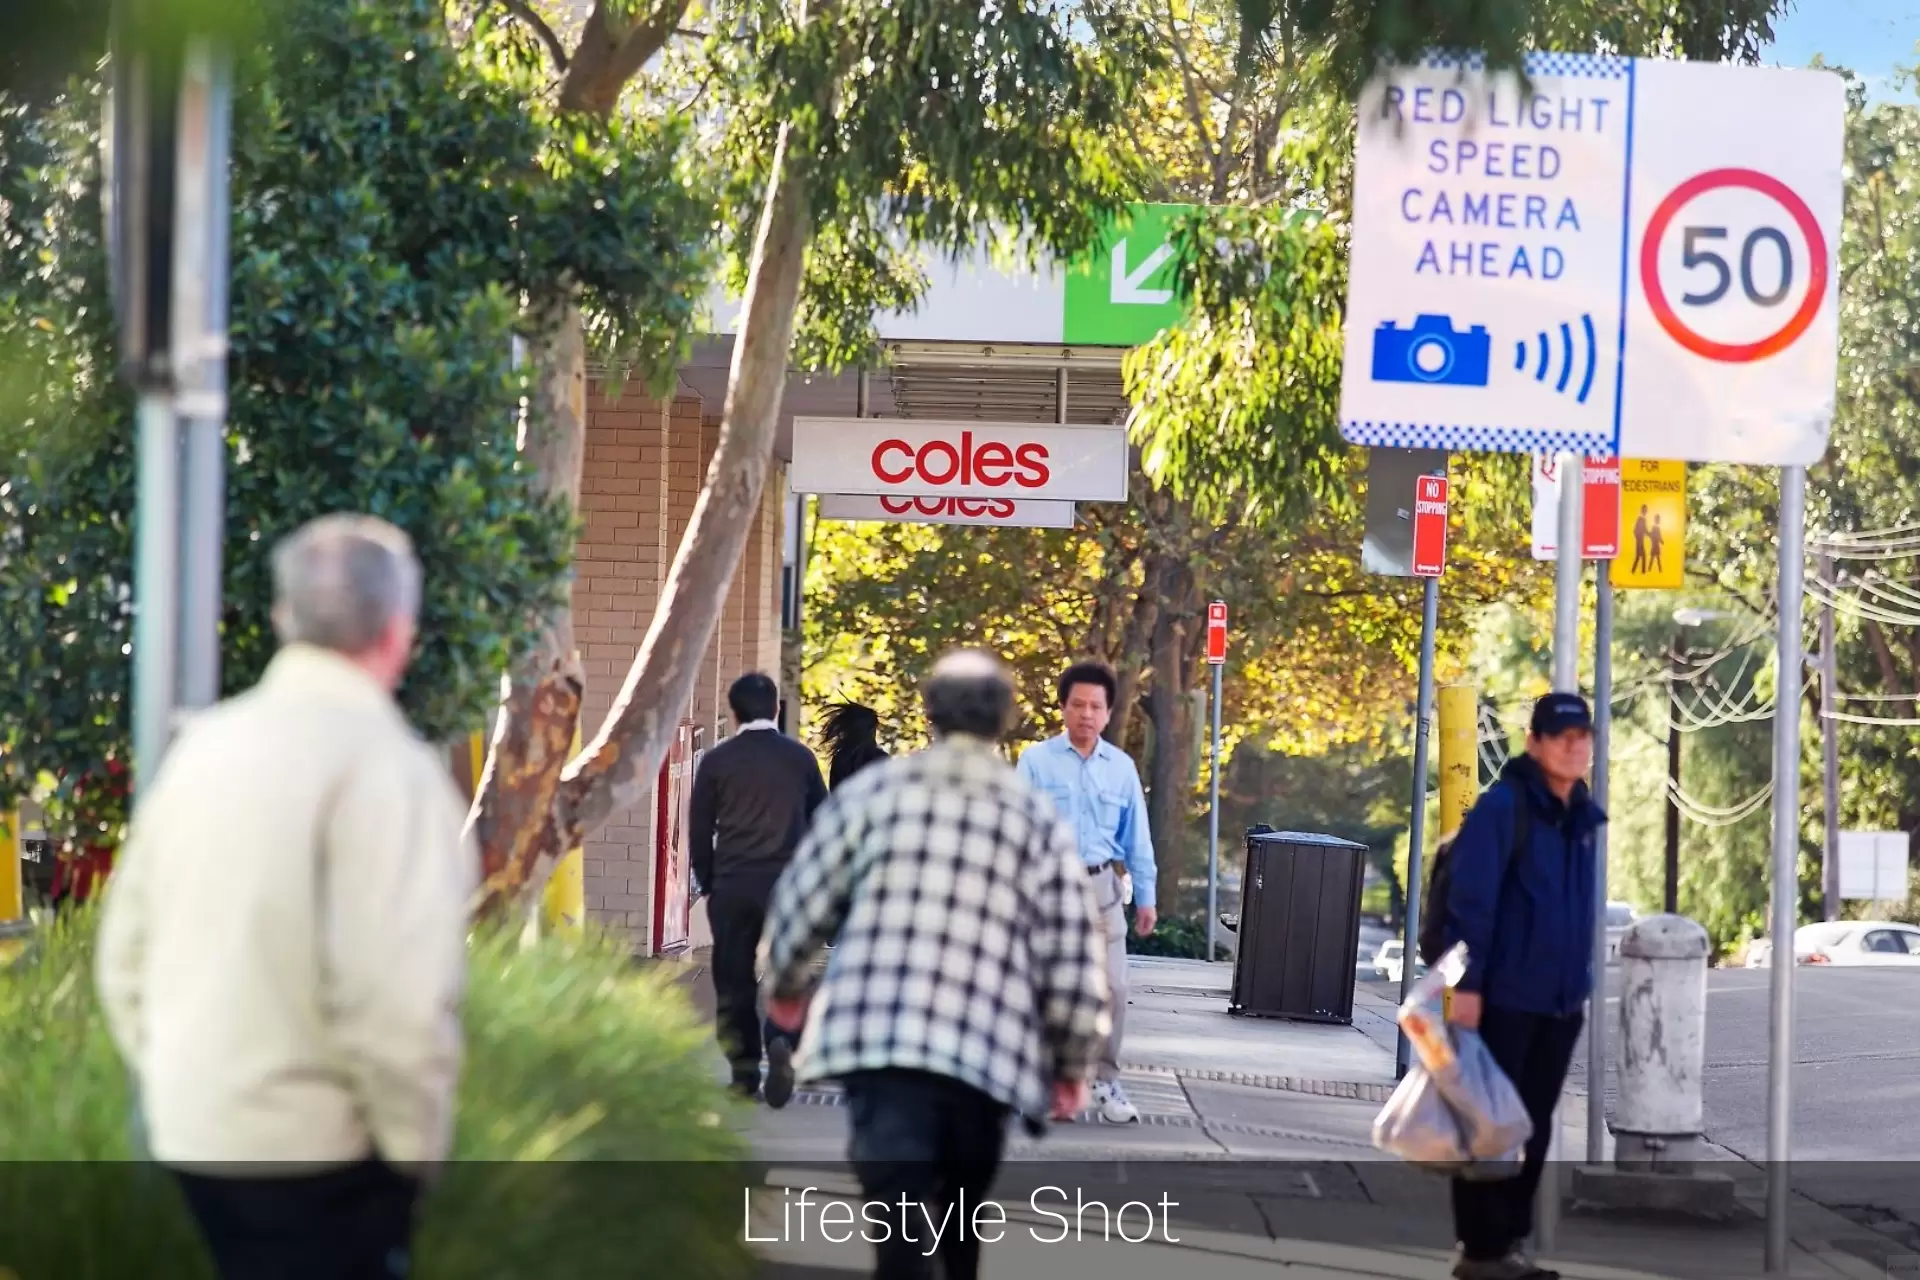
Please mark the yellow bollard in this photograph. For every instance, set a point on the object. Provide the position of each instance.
(477, 758)
(565, 902)
(1459, 755)
(13, 898)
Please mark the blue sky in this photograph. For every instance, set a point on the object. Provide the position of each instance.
(1869, 37)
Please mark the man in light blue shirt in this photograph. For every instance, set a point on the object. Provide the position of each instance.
(1096, 787)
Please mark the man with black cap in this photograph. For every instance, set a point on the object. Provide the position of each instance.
(1522, 899)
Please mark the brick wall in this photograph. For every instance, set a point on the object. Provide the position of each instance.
(644, 469)
(621, 563)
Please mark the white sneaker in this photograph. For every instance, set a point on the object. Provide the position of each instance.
(1111, 1105)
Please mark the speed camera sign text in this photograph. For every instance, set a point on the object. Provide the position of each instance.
(1629, 257)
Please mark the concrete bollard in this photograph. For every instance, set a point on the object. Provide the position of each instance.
(1663, 1021)
(1659, 1119)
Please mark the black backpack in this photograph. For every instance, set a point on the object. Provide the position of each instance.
(1433, 920)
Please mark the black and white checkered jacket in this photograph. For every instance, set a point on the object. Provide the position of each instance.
(967, 939)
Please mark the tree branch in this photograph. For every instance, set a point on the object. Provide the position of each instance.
(1883, 656)
(525, 12)
(607, 58)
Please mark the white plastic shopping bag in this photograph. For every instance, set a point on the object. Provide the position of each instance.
(1456, 1112)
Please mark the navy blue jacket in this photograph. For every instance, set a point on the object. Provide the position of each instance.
(1528, 929)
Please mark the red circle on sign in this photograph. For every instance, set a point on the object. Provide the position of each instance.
(1699, 344)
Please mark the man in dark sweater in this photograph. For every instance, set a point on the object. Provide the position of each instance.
(753, 796)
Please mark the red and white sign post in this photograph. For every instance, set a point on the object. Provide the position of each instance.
(1217, 632)
(1217, 659)
(1430, 527)
(1599, 508)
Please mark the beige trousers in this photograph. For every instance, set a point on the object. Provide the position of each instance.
(1106, 892)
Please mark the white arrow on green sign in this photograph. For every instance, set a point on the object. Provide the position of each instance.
(1122, 294)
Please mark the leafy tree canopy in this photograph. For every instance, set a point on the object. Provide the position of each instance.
(396, 206)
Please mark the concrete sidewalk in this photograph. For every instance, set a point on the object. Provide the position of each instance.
(1260, 1129)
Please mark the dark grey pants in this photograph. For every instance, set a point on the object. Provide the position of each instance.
(933, 1141)
(353, 1223)
(1491, 1219)
(737, 920)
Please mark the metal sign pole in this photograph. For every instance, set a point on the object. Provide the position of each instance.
(1416, 837)
(1213, 821)
(156, 579)
(200, 362)
(1602, 734)
(1829, 748)
(1566, 579)
(1786, 849)
(1570, 544)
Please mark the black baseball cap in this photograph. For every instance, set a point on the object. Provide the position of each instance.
(1558, 712)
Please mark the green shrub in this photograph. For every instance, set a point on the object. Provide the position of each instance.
(1178, 937)
(593, 1134)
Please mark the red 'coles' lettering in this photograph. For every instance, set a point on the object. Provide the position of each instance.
(972, 508)
(940, 462)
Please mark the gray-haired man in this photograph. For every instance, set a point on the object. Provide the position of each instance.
(969, 980)
(283, 949)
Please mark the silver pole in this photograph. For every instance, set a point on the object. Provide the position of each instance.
(1416, 838)
(1566, 578)
(1060, 395)
(156, 582)
(1566, 679)
(1786, 849)
(1213, 821)
(1829, 748)
(1602, 734)
(200, 348)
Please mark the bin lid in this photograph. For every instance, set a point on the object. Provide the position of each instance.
(1303, 837)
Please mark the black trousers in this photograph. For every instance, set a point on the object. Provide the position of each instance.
(737, 919)
(354, 1223)
(1493, 1218)
(933, 1141)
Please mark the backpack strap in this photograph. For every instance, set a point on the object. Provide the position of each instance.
(1522, 830)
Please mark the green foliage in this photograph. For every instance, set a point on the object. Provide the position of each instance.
(590, 1126)
(1182, 938)
(399, 212)
(1237, 407)
(886, 600)
(919, 130)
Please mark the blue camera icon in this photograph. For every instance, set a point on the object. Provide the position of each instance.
(1432, 350)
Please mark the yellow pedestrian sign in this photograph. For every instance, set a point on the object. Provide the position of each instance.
(1653, 525)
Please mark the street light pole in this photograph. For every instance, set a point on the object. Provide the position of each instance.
(1829, 748)
(1670, 897)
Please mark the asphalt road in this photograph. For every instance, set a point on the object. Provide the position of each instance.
(1856, 1078)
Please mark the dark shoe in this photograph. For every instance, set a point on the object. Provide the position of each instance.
(745, 1087)
(779, 1072)
(1529, 1269)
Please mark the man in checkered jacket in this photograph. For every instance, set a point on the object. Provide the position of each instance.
(968, 978)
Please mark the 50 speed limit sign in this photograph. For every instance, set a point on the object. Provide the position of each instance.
(1633, 257)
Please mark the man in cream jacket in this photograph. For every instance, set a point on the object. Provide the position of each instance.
(283, 948)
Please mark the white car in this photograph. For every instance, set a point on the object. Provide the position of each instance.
(1390, 962)
(1846, 943)
(1857, 943)
(1620, 918)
